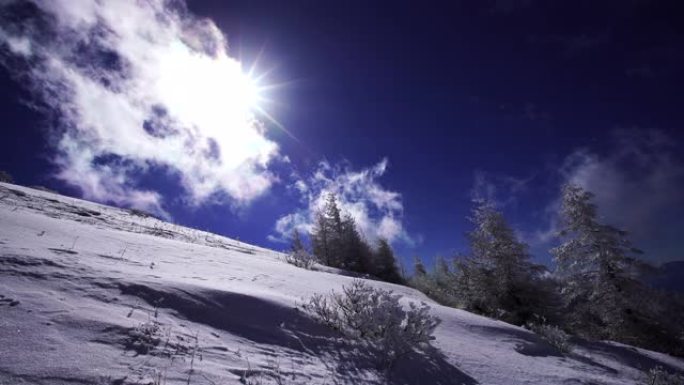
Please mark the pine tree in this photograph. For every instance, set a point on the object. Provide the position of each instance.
(419, 267)
(437, 284)
(337, 242)
(498, 278)
(421, 280)
(298, 255)
(354, 253)
(5, 177)
(320, 239)
(384, 263)
(296, 243)
(325, 237)
(443, 282)
(598, 272)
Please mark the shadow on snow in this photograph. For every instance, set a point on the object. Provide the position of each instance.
(265, 322)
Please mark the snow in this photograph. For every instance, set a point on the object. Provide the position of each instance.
(83, 286)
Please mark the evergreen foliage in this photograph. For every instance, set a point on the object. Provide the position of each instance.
(296, 243)
(5, 177)
(354, 252)
(384, 263)
(600, 284)
(336, 242)
(438, 284)
(419, 268)
(553, 335)
(596, 290)
(326, 233)
(497, 279)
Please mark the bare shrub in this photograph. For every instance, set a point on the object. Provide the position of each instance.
(375, 318)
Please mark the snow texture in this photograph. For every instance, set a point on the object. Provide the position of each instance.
(91, 294)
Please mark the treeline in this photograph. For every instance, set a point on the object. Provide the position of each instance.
(337, 242)
(596, 291)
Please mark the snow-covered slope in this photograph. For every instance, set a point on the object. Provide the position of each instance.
(91, 294)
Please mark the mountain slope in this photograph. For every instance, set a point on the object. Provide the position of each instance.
(91, 294)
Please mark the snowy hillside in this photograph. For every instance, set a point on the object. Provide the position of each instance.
(90, 294)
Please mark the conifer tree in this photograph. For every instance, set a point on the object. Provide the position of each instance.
(419, 267)
(320, 239)
(325, 236)
(336, 240)
(384, 263)
(354, 253)
(421, 279)
(498, 279)
(296, 244)
(5, 177)
(599, 276)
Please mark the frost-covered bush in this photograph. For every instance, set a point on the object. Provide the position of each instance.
(659, 376)
(145, 337)
(301, 258)
(376, 318)
(553, 335)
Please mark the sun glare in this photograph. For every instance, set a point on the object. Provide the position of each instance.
(248, 90)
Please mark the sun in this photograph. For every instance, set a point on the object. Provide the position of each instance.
(242, 89)
(252, 88)
(250, 91)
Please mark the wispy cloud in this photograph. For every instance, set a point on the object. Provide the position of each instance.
(637, 183)
(143, 83)
(637, 186)
(377, 211)
(501, 190)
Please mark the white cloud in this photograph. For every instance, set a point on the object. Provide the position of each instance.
(146, 84)
(634, 185)
(378, 212)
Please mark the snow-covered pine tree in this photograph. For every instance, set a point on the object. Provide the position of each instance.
(598, 273)
(498, 279)
(437, 284)
(421, 280)
(444, 282)
(298, 255)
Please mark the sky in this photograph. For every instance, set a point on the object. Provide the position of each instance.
(239, 117)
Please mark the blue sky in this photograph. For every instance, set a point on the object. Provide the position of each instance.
(406, 111)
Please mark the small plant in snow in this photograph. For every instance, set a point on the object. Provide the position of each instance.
(301, 258)
(145, 337)
(659, 376)
(376, 318)
(553, 335)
